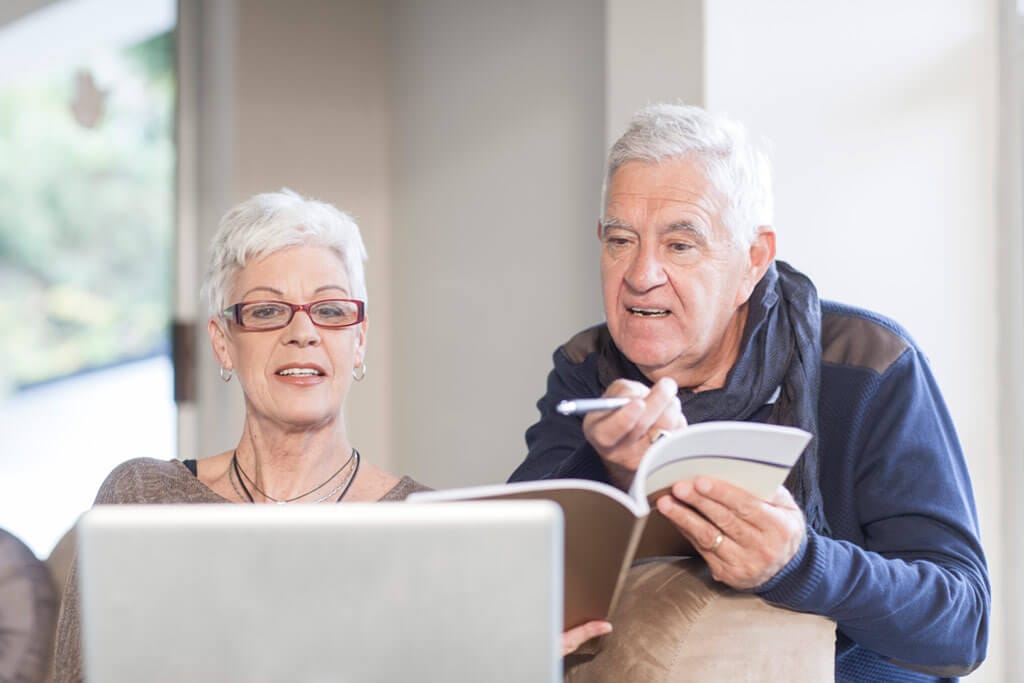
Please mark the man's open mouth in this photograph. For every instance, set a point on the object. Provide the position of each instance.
(648, 312)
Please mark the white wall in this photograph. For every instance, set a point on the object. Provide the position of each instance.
(884, 121)
(654, 52)
(497, 153)
(1011, 312)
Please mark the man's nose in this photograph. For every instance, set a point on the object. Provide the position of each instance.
(646, 271)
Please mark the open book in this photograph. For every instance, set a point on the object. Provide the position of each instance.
(606, 529)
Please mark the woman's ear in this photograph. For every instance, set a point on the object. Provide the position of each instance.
(219, 342)
(360, 350)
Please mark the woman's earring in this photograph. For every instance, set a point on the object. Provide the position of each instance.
(359, 372)
(226, 373)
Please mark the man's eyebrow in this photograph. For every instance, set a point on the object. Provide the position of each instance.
(686, 226)
(696, 230)
(609, 222)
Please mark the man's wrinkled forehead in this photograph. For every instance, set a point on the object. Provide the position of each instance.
(694, 177)
(669, 195)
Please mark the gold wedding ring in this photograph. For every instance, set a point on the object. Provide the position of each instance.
(657, 435)
(717, 542)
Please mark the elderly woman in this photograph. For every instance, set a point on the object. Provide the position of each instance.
(287, 303)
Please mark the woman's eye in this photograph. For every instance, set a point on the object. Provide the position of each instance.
(330, 312)
(264, 312)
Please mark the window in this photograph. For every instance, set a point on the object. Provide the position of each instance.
(86, 227)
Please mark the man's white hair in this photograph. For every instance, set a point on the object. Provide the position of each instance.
(273, 221)
(734, 164)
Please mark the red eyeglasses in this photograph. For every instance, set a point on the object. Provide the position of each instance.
(273, 315)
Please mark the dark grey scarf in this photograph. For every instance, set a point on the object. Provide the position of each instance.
(781, 349)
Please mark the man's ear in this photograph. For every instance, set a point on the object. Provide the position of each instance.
(759, 259)
(762, 251)
(219, 341)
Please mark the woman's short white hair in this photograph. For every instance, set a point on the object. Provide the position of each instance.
(734, 164)
(267, 223)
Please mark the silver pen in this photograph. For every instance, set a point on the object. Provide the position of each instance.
(581, 406)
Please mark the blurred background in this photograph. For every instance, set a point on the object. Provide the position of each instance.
(467, 137)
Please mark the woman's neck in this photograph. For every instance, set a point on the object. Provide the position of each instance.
(285, 464)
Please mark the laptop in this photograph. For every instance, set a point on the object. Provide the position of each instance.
(317, 593)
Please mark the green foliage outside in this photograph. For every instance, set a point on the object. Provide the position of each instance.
(86, 217)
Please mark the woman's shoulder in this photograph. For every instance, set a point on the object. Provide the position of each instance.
(405, 486)
(145, 480)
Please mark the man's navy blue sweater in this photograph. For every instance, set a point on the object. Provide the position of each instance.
(902, 573)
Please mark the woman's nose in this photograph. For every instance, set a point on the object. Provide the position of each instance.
(301, 330)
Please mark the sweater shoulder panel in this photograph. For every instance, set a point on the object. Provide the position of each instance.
(858, 338)
(584, 343)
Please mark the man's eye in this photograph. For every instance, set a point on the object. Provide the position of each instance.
(680, 247)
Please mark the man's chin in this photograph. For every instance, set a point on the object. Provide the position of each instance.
(652, 362)
(644, 341)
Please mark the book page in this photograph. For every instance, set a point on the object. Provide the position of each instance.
(660, 538)
(536, 489)
(599, 535)
(752, 455)
(759, 478)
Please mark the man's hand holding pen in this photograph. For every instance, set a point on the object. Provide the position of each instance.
(622, 435)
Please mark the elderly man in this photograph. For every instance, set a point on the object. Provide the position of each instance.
(876, 527)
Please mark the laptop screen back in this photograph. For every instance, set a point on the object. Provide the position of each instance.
(357, 592)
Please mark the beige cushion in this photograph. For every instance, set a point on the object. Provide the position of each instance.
(59, 561)
(59, 565)
(28, 612)
(674, 623)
